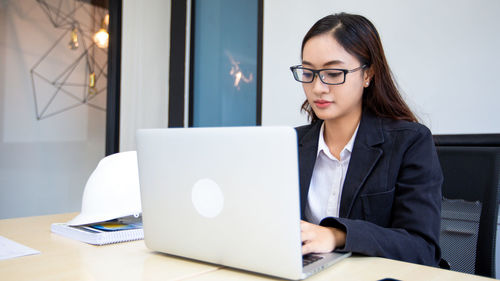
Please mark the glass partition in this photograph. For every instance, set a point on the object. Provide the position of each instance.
(224, 63)
(53, 78)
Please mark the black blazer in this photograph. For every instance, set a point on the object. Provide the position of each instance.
(391, 199)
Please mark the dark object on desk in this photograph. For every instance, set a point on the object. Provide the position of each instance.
(470, 206)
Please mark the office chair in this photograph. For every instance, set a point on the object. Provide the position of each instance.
(469, 207)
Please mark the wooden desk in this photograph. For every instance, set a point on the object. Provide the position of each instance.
(65, 259)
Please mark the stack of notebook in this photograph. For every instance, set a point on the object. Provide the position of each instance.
(113, 231)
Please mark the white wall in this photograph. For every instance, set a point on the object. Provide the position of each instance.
(44, 164)
(444, 55)
(145, 65)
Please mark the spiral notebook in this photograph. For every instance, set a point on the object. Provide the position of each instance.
(103, 233)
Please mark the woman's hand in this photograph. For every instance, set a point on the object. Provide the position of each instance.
(320, 239)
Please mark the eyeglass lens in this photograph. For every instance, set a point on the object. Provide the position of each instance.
(330, 76)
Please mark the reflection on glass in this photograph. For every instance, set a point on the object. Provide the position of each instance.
(236, 72)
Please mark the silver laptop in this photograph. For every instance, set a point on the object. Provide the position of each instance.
(228, 196)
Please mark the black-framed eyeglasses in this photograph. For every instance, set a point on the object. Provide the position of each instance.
(329, 76)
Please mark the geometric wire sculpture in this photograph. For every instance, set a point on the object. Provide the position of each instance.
(58, 87)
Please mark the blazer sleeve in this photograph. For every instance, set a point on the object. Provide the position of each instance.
(414, 223)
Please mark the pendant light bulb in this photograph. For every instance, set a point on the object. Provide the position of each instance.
(101, 38)
(73, 42)
(92, 89)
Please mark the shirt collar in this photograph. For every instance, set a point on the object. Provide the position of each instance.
(323, 147)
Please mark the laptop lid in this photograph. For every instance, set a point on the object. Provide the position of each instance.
(228, 196)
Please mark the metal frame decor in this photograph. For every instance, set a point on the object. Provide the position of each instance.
(63, 14)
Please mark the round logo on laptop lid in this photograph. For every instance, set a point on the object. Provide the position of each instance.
(207, 198)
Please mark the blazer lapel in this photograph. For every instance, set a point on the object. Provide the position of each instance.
(308, 148)
(364, 157)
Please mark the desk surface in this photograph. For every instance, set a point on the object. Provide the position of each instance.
(66, 259)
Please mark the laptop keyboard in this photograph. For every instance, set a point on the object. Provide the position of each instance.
(308, 259)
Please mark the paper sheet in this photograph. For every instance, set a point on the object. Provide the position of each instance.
(10, 249)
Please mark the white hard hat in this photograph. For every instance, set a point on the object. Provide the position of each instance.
(112, 190)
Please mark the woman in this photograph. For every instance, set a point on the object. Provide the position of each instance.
(369, 173)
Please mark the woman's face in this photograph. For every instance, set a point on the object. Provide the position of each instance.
(333, 102)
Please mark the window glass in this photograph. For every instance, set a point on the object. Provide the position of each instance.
(53, 80)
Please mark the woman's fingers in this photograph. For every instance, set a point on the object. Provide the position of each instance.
(308, 232)
(316, 239)
(307, 249)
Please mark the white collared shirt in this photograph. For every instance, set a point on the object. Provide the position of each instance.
(325, 190)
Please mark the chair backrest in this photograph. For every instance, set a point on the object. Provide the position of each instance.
(470, 207)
